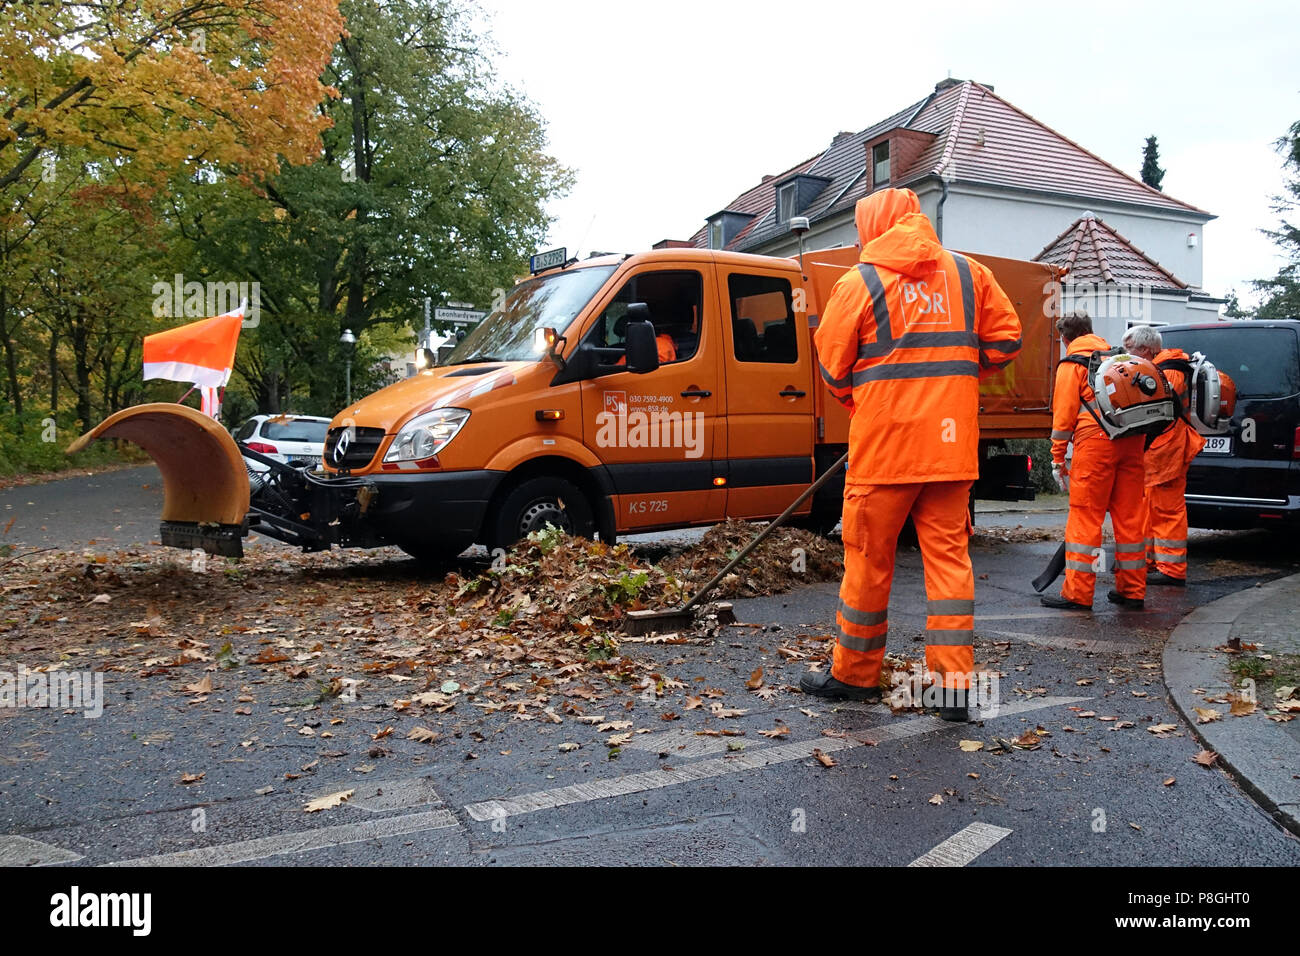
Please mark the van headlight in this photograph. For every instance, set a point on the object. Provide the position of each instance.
(426, 435)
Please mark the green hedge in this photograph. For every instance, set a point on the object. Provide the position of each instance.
(33, 443)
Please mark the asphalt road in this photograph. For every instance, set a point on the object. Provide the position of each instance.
(901, 790)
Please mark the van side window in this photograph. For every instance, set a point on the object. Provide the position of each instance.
(762, 319)
(676, 300)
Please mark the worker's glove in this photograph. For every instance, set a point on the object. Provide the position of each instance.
(1061, 474)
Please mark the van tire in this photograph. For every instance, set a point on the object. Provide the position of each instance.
(535, 503)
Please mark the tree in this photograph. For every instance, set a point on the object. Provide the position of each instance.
(1232, 307)
(1281, 294)
(151, 85)
(1152, 174)
(433, 179)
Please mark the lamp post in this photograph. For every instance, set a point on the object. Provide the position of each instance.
(348, 340)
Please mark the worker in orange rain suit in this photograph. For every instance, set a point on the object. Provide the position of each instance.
(903, 342)
(1166, 465)
(1106, 475)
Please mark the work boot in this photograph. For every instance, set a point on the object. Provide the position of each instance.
(822, 684)
(1114, 597)
(952, 705)
(1164, 580)
(1061, 604)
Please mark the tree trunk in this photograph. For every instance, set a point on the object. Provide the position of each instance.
(81, 368)
(54, 372)
(11, 358)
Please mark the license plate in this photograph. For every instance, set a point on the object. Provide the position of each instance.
(1217, 445)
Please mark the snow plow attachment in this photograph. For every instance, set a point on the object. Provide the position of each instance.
(205, 482)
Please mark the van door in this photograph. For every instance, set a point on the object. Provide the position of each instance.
(657, 433)
(770, 398)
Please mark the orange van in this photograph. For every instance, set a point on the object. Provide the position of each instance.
(619, 394)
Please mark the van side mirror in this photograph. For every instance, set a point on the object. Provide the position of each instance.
(642, 349)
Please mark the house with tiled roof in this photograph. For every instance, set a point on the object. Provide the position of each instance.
(1117, 283)
(991, 178)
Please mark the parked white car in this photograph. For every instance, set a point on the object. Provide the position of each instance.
(287, 438)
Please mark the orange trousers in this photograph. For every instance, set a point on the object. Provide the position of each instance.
(873, 517)
(1106, 476)
(1166, 528)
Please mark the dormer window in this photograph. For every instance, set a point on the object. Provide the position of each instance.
(785, 201)
(715, 234)
(880, 165)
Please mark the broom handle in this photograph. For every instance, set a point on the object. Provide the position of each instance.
(758, 538)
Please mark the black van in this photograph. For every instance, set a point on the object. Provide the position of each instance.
(1248, 477)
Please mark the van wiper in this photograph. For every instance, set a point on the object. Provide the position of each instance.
(479, 360)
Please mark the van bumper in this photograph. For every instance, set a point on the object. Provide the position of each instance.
(432, 508)
(1206, 511)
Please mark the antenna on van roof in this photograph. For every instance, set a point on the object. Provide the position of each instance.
(799, 225)
(577, 250)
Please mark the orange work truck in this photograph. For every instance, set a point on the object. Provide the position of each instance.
(619, 394)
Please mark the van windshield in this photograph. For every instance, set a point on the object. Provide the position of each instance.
(1264, 363)
(552, 301)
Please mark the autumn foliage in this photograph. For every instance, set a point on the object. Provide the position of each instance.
(151, 85)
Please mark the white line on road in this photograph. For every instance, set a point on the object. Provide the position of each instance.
(751, 760)
(1086, 644)
(21, 851)
(963, 846)
(318, 839)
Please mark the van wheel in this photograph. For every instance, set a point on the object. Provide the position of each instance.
(535, 504)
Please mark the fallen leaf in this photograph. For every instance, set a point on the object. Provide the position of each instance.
(767, 692)
(192, 777)
(1205, 715)
(693, 702)
(755, 679)
(970, 746)
(202, 687)
(306, 732)
(422, 735)
(614, 725)
(328, 802)
(1162, 730)
(380, 735)
(1206, 758)
(1170, 782)
(566, 747)
(775, 732)
(1241, 707)
(936, 799)
(808, 713)
(618, 740)
(825, 759)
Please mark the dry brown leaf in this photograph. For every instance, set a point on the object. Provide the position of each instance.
(775, 732)
(1205, 715)
(192, 777)
(1170, 782)
(202, 687)
(825, 759)
(1206, 758)
(422, 735)
(1241, 707)
(693, 702)
(1162, 730)
(328, 802)
(936, 799)
(618, 740)
(755, 679)
(970, 746)
(613, 725)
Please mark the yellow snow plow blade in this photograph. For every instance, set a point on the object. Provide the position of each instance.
(205, 483)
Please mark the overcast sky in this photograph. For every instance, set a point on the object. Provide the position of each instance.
(667, 110)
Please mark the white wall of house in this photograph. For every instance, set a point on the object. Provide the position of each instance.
(1018, 225)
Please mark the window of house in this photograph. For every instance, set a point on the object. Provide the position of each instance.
(785, 201)
(762, 319)
(880, 164)
(675, 299)
(715, 234)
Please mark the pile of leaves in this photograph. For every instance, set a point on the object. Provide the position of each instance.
(535, 634)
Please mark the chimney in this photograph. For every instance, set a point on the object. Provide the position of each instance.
(840, 137)
(946, 84)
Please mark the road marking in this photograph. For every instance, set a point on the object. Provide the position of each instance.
(382, 795)
(20, 851)
(1085, 644)
(720, 766)
(299, 842)
(963, 846)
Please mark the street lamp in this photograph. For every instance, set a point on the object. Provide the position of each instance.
(348, 340)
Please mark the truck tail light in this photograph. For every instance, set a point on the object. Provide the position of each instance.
(1295, 445)
(263, 447)
(1030, 459)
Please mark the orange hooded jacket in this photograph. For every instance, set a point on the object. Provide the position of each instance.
(1173, 450)
(903, 342)
(1070, 420)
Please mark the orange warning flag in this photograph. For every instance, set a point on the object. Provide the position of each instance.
(202, 352)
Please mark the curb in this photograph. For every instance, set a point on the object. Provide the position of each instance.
(1189, 662)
